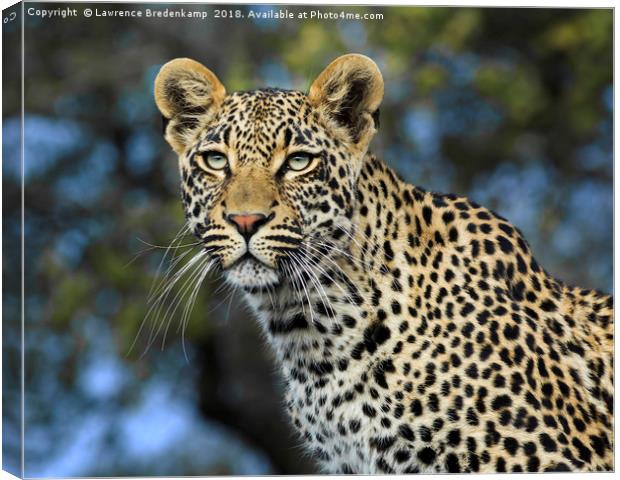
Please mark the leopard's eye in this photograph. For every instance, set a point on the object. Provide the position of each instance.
(215, 160)
(298, 161)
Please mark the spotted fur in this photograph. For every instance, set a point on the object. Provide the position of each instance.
(415, 331)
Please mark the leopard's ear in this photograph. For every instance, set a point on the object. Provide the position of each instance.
(187, 95)
(350, 91)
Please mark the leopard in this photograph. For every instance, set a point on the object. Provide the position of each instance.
(414, 331)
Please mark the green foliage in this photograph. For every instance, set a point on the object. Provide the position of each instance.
(69, 298)
(514, 88)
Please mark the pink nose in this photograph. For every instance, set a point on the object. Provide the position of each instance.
(247, 224)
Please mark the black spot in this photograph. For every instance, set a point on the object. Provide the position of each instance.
(452, 463)
(472, 417)
(585, 453)
(447, 217)
(542, 369)
(511, 445)
(504, 244)
(475, 248)
(548, 443)
(505, 417)
(406, 432)
(427, 213)
(401, 456)
(454, 437)
(507, 229)
(489, 248)
(486, 352)
(533, 464)
(453, 234)
(531, 424)
(369, 411)
(559, 467)
(529, 448)
(598, 444)
(532, 400)
(357, 351)
(472, 371)
(321, 368)
(425, 434)
(521, 266)
(383, 367)
(416, 407)
(348, 321)
(381, 444)
(427, 455)
(562, 386)
(433, 402)
(547, 389)
(380, 334)
(467, 309)
(511, 332)
(396, 308)
(383, 466)
(297, 322)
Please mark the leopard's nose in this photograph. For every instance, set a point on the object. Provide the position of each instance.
(248, 223)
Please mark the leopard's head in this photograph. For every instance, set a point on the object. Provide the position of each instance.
(269, 173)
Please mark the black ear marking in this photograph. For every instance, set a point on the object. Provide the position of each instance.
(375, 118)
(348, 108)
(347, 111)
(164, 124)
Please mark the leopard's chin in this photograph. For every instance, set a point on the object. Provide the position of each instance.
(251, 274)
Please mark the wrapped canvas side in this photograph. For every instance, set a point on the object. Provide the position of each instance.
(12, 245)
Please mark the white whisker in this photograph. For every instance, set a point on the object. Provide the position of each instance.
(177, 300)
(157, 302)
(191, 302)
(317, 285)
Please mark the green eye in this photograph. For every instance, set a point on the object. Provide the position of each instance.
(298, 161)
(215, 160)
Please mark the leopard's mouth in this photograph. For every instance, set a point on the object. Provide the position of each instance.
(251, 273)
(246, 257)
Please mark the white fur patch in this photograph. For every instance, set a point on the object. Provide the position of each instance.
(253, 274)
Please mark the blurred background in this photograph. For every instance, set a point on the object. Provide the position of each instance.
(512, 107)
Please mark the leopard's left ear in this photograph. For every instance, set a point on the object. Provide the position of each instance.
(350, 91)
(187, 94)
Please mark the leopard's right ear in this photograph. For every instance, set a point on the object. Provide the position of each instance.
(187, 94)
